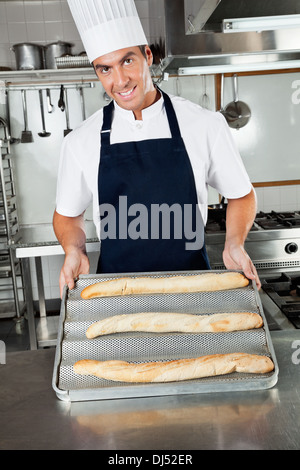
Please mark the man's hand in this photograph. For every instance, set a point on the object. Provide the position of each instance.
(76, 263)
(70, 233)
(235, 257)
(240, 215)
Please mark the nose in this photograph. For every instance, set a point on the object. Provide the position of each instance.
(120, 78)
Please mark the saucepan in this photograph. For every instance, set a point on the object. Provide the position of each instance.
(217, 210)
(54, 50)
(237, 113)
(29, 56)
(221, 205)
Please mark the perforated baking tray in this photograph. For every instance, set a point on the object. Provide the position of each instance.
(77, 315)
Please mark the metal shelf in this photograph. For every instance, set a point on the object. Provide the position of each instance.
(84, 73)
(58, 76)
(10, 266)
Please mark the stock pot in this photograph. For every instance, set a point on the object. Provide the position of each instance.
(56, 49)
(29, 56)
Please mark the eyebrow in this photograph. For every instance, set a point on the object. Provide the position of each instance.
(126, 56)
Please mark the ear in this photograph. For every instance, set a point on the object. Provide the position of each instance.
(149, 56)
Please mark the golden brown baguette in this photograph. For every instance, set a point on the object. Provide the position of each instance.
(173, 284)
(163, 322)
(177, 370)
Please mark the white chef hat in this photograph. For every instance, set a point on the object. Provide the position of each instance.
(107, 25)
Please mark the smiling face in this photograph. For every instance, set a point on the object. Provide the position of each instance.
(125, 76)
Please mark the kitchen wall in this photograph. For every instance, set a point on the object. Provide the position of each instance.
(269, 144)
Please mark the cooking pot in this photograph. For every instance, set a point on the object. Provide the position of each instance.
(29, 56)
(217, 210)
(237, 113)
(56, 49)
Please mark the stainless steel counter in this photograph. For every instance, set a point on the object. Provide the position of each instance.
(34, 242)
(39, 240)
(31, 416)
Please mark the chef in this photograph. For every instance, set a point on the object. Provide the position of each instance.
(144, 161)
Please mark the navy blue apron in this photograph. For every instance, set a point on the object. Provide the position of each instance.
(135, 180)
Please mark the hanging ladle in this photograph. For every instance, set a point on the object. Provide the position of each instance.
(44, 133)
(50, 105)
(237, 113)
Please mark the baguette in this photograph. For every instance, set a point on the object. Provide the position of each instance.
(175, 284)
(175, 322)
(177, 370)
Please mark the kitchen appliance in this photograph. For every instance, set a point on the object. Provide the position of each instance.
(284, 291)
(273, 244)
(54, 50)
(29, 56)
(196, 35)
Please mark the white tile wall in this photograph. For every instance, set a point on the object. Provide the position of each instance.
(278, 198)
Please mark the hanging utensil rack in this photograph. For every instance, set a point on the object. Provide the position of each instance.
(49, 86)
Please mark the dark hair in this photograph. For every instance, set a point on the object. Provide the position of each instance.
(143, 51)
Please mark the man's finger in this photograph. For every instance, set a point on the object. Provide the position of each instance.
(251, 273)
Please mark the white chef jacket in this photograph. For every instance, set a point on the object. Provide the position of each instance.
(213, 154)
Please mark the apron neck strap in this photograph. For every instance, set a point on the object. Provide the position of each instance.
(106, 125)
(173, 123)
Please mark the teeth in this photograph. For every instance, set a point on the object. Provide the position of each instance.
(126, 93)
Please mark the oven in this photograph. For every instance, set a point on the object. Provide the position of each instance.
(273, 244)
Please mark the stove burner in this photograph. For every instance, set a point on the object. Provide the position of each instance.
(285, 292)
(274, 220)
(214, 226)
(216, 221)
(292, 310)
